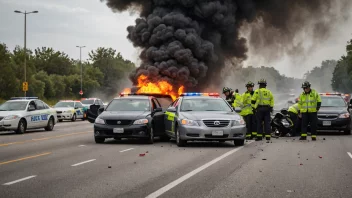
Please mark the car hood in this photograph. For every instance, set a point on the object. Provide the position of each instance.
(332, 110)
(7, 113)
(63, 108)
(200, 115)
(124, 115)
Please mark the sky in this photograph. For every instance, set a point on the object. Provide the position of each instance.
(64, 24)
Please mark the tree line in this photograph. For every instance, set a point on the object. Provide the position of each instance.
(53, 75)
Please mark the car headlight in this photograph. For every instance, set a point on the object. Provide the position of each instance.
(11, 117)
(344, 115)
(189, 122)
(238, 122)
(99, 121)
(141, 121)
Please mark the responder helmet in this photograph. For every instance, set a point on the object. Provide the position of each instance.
(305, 84)
(262, 82)
(250, 84)
(226, 89)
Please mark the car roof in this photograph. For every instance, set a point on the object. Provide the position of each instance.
(201, 97)
(134, 97)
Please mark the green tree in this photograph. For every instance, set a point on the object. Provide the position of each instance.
(9, 84)
(342, 75)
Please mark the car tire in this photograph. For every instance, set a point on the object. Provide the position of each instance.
(74, 117)
(50, 125)
(99, 140)
(347, 132)
(179, 141)
(150, 139)
(22, 126)
(239, 142)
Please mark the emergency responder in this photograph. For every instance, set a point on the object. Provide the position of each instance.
(293, 112)
(263, 101)
(309, 104)
(247, 111)
(229, 93)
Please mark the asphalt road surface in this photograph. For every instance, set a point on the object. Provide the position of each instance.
(67, 163)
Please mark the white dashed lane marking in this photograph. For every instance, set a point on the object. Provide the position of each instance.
(83, 162)
(349, 154)
(19, 180)
(126, 150)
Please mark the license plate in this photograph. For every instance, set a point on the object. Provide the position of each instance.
(118, 130)
(217, 133)
(326, 123)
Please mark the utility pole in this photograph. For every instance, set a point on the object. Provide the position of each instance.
(80, 62)
(25, 83)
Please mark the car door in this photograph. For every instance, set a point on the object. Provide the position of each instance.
(170, 118)
(79, 110)
(33, 117)
(44, 116)
(158, 118)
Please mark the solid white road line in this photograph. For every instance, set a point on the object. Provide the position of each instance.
(83, 162)
(19, 180)
(349, 154)
(126, 150)
(192, 173)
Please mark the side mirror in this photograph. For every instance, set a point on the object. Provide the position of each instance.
(158, 110)
(31, 108)
(171, 109)
(100, 110)
(237, 109)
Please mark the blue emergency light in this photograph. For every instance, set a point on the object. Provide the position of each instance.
(24, 98)
(199, 94)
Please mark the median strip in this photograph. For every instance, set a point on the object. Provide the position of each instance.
(24, 158)
(41, 139)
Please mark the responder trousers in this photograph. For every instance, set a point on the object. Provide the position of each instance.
(296, 123)
(263, 115)
(312, 120)
(251, 126)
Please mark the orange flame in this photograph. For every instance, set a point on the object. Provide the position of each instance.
(161, 87)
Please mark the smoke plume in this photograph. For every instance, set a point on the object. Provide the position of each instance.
(186, 42)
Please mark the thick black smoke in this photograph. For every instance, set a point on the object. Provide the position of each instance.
(187, 41)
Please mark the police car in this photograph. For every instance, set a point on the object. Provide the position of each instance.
(203, 116)
(22, 113)
(69, 110)
(86, 102)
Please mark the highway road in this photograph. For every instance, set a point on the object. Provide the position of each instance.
(66, 162)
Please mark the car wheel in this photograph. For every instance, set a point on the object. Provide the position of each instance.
(99, 140)
(179, 141)
(151, 136)
(238, 142)
(73, 118)
(22, 126)
(347, 132)
(50, 125)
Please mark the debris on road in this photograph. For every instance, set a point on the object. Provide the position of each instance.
(146, 152)
(320, 157)
(135, 162)
(290, 191)
(301, 164)
(109, 166)
(323, 138)
(263, 159)
(141, 154)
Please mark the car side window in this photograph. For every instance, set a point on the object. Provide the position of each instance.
(155, 104)
(32, 104)
(39, 104)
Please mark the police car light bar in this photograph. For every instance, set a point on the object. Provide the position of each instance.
(23, 98)
(200, 94)
(331, 94)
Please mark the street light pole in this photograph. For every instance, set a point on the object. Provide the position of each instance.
(25, 43)
(80, 62)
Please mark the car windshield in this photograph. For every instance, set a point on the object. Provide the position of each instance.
(87, 101)
(14, 106)
(129, 105)
(164, 102)
(204, 105)
(65, 104)
(327, 101)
